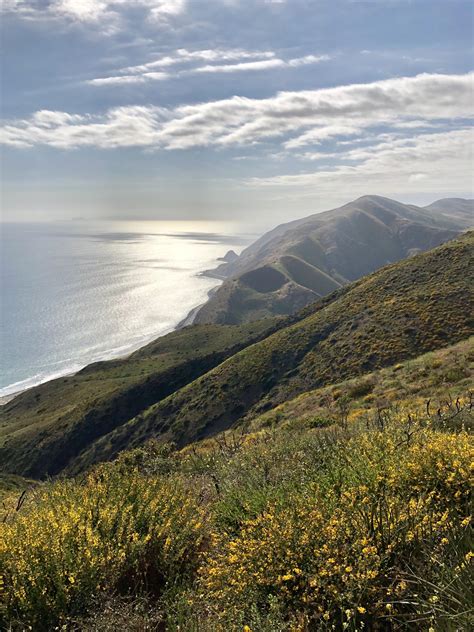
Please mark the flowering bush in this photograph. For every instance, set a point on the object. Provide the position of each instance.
(338, 554)
(282, 530)
(113, 530)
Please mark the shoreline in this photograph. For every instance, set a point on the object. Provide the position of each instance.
(187, 321)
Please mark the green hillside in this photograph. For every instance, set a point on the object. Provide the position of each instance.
(347, 508)
(42, 429)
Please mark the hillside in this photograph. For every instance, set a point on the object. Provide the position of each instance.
(296, 263)
(347, 508)
(459, 209)
(42, 429)
(405, 309)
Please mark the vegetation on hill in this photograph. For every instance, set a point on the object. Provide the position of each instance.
(325, 518)
(313, 256)
(42, 429)
(405, 309)
(424, 381)
(202, 380)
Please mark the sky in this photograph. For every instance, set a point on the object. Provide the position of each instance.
(259, 111)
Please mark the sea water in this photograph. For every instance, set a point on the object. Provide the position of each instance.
(75, 293)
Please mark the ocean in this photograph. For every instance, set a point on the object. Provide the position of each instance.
(75, 293)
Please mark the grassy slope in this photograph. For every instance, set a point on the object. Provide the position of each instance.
(438, 377)
(43, 428)
(405, 309)
(347, 527)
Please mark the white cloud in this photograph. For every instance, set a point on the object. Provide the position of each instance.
(262, 64)
(163, 9)
(81, 10)
(183, 56)
(308, 59)
(260, 60)
(436, 162)
(300, 118)
(98, 12)
(127, 79)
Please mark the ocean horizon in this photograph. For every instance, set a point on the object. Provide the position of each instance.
(74, 293)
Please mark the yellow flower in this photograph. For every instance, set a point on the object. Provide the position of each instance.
(361, 610)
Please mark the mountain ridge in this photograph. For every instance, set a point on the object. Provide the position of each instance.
(310, 257)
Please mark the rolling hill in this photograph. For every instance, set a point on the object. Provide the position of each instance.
(66, 415)
(296, 263)
(197, 382)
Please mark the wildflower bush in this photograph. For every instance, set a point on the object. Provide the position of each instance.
(115, 530)
(335, 551)
(362, 525)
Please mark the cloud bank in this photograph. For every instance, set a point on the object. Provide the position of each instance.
(435, 161)
(295, 119)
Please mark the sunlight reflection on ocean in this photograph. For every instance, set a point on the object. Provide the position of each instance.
(76, 293)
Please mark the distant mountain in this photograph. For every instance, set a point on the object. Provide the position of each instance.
(301, 261)
(456, 209)
(201, 380)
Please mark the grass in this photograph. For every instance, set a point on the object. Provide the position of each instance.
(438, 377)
(44, 428)
(360, 524)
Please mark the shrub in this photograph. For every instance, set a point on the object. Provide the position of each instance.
(336, 550)
(113, 531)
(361, 388)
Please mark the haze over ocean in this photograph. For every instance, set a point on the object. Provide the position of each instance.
(75, 293)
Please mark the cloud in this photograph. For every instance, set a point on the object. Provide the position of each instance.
(262, 65)
(97, 12)
(127, 79)
(260, 60)
(440, 161)
(295, 119)
(183, 56)
(81, 10)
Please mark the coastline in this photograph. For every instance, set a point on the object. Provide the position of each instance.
(187, 321)
(191, 316)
